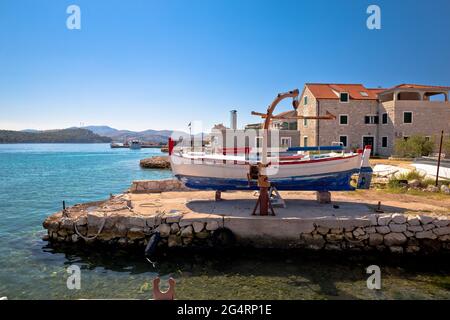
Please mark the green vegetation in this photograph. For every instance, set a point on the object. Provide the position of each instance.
(414, 146)
(71, 135)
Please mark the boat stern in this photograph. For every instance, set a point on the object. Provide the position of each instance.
(365, 171)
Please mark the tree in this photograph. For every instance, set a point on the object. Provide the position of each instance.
(414, 146)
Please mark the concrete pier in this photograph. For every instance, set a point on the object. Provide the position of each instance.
(191, 218)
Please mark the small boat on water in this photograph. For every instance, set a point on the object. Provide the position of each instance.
(135, 144)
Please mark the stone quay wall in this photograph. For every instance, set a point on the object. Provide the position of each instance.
(395, 233)
(155, 186)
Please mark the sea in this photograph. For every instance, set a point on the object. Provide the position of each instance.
(36, 178)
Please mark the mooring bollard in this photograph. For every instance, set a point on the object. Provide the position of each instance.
(64, 211)
(168, 295)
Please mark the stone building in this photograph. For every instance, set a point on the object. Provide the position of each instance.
(372, 116)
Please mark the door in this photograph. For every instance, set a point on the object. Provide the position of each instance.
(369, 141)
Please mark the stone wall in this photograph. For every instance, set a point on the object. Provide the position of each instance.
(153, 186)
(396, 233)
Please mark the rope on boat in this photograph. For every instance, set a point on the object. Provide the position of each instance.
(98, 232)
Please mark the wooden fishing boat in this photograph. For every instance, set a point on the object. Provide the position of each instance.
(323, 172)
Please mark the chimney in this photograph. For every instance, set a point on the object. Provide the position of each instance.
(233, 119)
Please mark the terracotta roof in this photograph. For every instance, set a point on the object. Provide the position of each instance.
(332, 90)
(418, 86)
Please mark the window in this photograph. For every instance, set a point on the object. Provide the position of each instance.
(427, 138)
(371, 119)
(305, 100)
(364, 94)
(407, 117)
(343, 140)
(384, 118)
(305, 141)
(343, 119)
(305, 122)
(286, 142)
(343, 97)
(384, 142)
(258, 142)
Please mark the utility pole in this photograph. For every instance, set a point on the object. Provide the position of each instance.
(439, 158)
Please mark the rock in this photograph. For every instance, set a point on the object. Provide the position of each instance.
(187, 241)
(174, 228)
(397, 227)
(384, 220)
(184, 223)
(358, 232)
(164, 230)
(373, 218)
(135, 234)
(45, 237)
(334, 237)
(414, 183)
(425, 235)
(81, 221)
(212, 225)
(413, 221)
(198, 226)
(441, 222)
(371, 230)
(398, 218)
(445, 238)
(174, 241)
(428, 227)
(445, 189)
(375, 239)
(441, 231)
(425, 219)
(75, 238)
(336, 230)
(394, 239)
(415, 228)
(137, 221)
(153, 221)
(412, 249)
(173, 217)
(122, 241)
(156, 162)
(348, 235)
(383, 229)
(409, 234)
(187, 232)
(396, 249)
(314, 242)
(432, 188)
(67, 224)
(202, 235)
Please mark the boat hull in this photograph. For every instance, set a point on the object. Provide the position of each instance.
(335, 181)
(331, 174)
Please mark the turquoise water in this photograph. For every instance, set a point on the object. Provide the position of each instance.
(34, 179)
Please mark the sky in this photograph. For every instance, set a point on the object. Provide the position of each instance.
(150, 64)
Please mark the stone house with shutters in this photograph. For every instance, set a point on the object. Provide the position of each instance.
(372, 116)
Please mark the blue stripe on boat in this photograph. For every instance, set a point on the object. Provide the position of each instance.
(333, 181)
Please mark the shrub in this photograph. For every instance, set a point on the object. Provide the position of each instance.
(414, 146)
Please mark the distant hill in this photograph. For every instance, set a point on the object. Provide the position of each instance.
(155, 136)
(71, 135)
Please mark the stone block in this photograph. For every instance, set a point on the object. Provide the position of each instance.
(394, 239)
(397, 227)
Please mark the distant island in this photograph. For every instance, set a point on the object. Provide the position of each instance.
(151, 136)
(70, 135)
(88, 134)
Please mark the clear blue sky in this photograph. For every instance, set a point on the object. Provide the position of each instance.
(161, 64)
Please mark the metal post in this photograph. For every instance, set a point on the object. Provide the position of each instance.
(439, 158)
